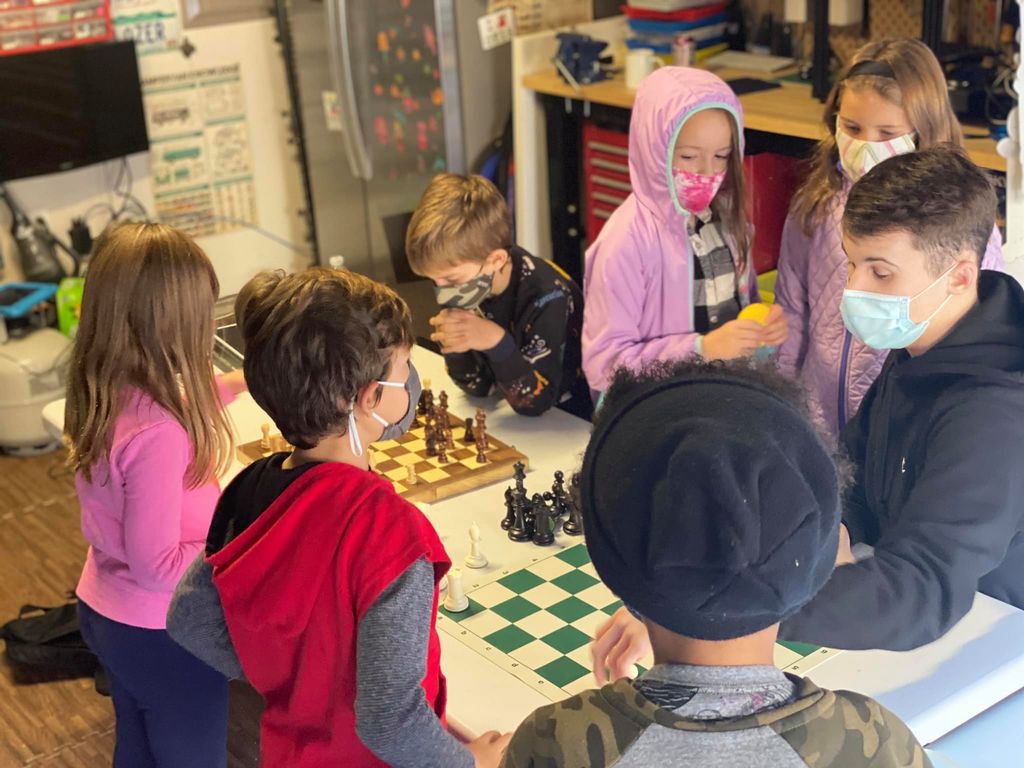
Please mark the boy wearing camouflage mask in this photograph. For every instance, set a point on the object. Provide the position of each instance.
(723, 522)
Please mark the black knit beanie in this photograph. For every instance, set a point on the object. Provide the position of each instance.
(710, 504)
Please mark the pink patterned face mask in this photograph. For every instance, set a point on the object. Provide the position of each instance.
(696, 191)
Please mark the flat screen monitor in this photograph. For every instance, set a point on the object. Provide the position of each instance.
(68, 108)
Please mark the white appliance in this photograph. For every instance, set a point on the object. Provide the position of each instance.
(32, 374)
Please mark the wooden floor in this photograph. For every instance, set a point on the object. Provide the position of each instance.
(63, 723)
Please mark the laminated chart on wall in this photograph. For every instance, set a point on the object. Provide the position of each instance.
(154, 25)
(200, 157)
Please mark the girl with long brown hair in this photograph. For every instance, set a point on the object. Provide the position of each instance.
(671, 270)
(147, 434)
(891, 98)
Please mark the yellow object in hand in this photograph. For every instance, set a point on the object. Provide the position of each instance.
(757, 312)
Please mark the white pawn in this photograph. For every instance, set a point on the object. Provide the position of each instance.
(475, 558)
(456, 600)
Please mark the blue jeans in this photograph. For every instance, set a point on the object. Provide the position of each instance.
(171, 708)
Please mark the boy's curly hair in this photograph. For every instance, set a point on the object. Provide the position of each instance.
(763, 375)
(312, 341)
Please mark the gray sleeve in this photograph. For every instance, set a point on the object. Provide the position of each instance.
(195, 620)
(393, 718)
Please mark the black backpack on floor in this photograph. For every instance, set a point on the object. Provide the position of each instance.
(47, 642)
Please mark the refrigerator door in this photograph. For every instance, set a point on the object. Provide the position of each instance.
(338, 195)
(395, 104)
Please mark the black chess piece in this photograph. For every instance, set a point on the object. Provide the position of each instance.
(468, 436)
(574, 524)
(510, 510)
(543, 525)
(551, 504)
(559, 493)
(431, 443)
(520, 478)
(521, 529)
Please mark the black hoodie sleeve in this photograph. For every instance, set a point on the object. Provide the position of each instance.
(853, 443)
(955, 527)
(470, 372)
(527, 363)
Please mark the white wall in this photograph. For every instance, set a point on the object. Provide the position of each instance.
(236, 255)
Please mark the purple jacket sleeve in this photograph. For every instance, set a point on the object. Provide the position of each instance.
(614, 305)
(993, 258)
(791, 295)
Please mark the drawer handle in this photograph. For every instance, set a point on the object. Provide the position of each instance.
(608, 198)
(610, 148)
(608, 165)
(605, 181)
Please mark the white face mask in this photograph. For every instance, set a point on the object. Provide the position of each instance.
(857, 156)
(353, 434)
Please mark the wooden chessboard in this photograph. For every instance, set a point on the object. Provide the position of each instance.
(391, 459)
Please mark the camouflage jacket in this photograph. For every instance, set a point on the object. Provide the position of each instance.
(618, 726)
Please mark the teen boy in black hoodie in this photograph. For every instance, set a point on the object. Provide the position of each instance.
(938, 490)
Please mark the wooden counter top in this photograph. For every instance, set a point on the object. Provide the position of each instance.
(788, 111)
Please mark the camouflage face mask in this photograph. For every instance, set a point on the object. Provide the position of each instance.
(466, 295)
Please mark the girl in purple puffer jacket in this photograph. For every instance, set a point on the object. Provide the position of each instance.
(891, 99)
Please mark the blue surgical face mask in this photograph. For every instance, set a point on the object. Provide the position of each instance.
(883, 322)
(391, 431)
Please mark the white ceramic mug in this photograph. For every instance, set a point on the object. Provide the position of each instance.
(640, 62)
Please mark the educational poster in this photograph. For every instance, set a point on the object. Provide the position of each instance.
(154, 25)
(200, 158)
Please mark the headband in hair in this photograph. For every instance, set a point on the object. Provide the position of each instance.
(877, 68)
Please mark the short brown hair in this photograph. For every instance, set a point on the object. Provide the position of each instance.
(458, 219)
(313, 340)
(938, 196)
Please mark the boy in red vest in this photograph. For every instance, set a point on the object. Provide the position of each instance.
(327, 578)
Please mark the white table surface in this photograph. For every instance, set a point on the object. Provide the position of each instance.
(935, 689)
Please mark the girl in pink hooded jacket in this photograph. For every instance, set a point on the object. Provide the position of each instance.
(891, 99)
(670, 271)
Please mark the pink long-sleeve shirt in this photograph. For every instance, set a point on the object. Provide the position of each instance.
(143, 524)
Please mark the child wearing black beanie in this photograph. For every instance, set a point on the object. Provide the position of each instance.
(711, 508)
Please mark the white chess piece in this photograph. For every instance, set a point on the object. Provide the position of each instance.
(475, 558)
(456, 600)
